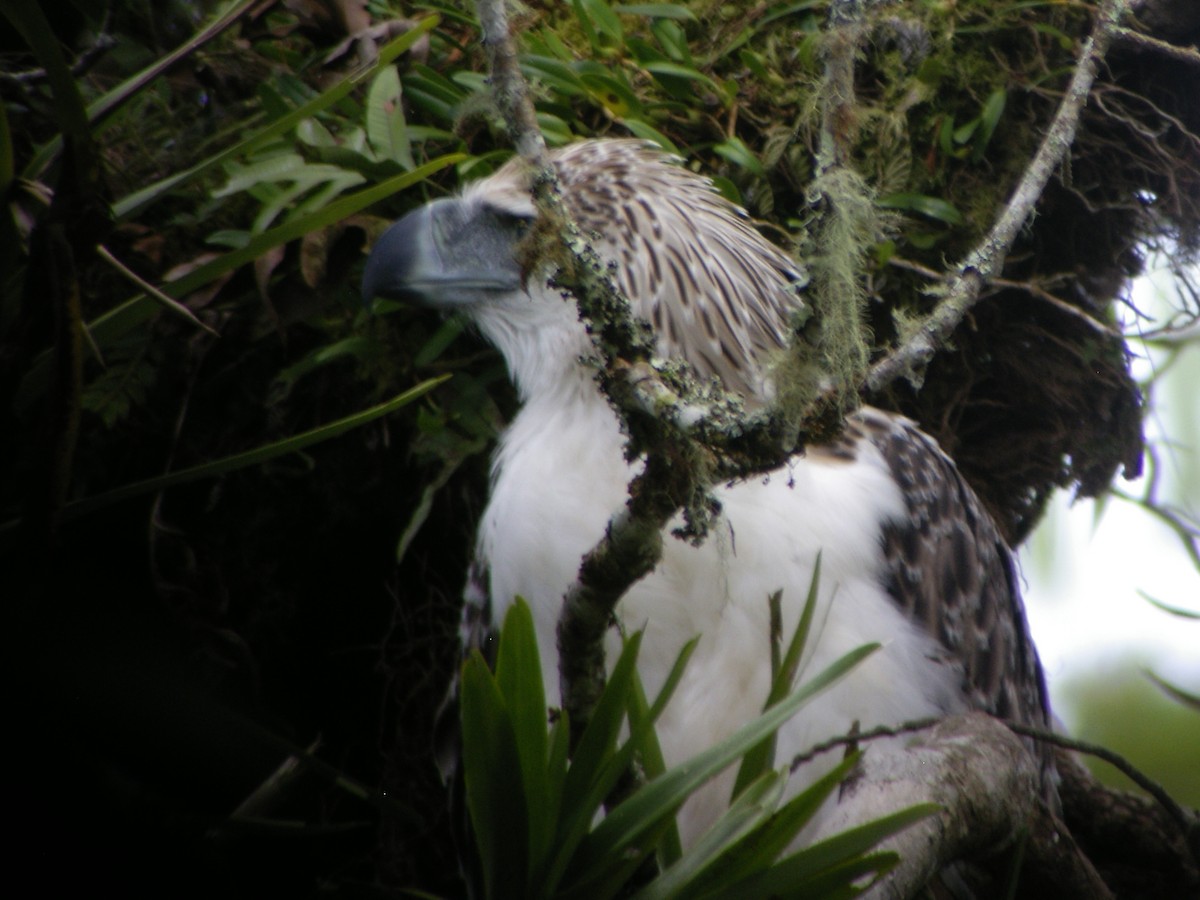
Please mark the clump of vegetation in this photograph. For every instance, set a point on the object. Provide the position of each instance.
(223, 550)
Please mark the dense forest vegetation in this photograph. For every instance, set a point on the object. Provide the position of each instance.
(237, 504)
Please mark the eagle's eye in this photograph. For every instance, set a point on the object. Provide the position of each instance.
(508, 221)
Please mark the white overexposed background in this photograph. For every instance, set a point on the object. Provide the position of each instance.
(1087, 570)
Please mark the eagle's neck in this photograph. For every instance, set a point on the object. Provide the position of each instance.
(558, 474)
(543, 342)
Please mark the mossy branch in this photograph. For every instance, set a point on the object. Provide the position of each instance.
(688, 435)
(691, 436)
(966, 281)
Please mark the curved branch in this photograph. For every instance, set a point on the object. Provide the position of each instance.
(986, 781)
(986, 261)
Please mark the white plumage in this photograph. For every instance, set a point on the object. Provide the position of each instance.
(909, 557)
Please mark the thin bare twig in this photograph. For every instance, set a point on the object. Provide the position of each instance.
(1028, 286)
(1186, 823)
(169, 302)
(1157, 45)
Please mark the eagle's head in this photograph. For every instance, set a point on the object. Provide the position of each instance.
(686, 257)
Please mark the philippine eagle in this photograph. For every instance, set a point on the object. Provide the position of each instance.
(909, 556)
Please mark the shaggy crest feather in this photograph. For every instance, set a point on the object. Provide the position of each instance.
(684, 256)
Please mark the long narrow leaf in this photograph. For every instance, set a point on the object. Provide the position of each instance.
(762, 757)
(251, 457)
(122, 92)
(138, 200)
(592, 774)
(641, 812)
(30, 21)
(519, 677)
(495, 800)
(843, 881)
(133, 312)
(641, 722)
(802, 871)
(754, 804)
(762, 847)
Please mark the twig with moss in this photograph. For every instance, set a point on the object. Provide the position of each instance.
(663, 415)
(986, 261)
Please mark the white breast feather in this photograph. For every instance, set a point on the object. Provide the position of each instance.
(559, 477)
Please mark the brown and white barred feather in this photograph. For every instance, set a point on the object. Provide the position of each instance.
(973, 607)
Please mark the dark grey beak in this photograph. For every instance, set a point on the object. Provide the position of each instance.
(396, 258)
(447, 254)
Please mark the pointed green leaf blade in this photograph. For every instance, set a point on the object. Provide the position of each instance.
(495, 800)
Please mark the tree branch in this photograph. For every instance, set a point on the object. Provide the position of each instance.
(986, 261)
(986, 781)
(689, 435)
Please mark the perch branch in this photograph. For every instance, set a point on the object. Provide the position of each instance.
(986, 261)
(986, 782)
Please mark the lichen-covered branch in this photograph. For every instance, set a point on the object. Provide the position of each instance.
(986, 261)
(665, 418)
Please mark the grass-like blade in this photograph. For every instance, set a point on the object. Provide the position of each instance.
(250, 457)
(762, 757)
(495, 799)
(662, 797)
(139, 200)
(519, 677)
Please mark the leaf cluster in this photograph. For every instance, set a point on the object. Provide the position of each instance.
(534, 809)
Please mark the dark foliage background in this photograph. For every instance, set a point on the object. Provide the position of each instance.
(167, 651)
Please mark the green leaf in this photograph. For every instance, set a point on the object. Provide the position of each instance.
(595, 769)
(612, 93)
(653, 763)
(963, 133)
(989, 118)
(601, 24)
(762, 757)
(739, 154)
(638, 128)
(789, 9)
(250, 457)
(808, 870)
(134, 312)
(30, 21)
(932, 207)
(657, 11)
(101, 107)
(554, 73)
(678, 70)
(757, 65)
(386, 128)
(672, 39)
(434, 92)
(556, 775)
(519, 677)
(758, 850)
(645, 810)
(641, 727)
(585, 22)
(741, 818)
(495, 800)
(139, 200)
